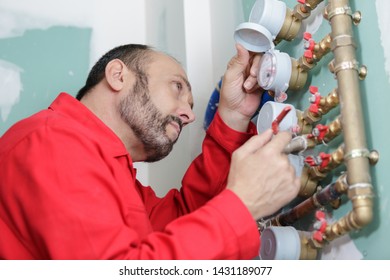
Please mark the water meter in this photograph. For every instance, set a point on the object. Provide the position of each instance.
(278, 71)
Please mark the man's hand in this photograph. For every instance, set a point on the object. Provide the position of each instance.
(261, 175)
(240, 93)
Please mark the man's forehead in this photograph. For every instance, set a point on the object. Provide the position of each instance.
(170, 64)
(163, 58)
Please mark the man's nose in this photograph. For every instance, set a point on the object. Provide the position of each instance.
(186, 115)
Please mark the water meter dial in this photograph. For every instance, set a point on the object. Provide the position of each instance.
(275, 73)
(267, 71)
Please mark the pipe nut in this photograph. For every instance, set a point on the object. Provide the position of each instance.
(357, 17)
(363, 72)
(373, 157)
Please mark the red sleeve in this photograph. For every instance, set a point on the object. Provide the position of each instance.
(220, 229)
(205, 179)
(80, 207)
(206, 176)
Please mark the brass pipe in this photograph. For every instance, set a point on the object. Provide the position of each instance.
(325, 105)
(334, 129)
(324, 133)
(320, 199)
(311, 175)
(293, 20)
(322, 48)
(308, 184)
(356, 182)
(336, 159)
(329, 102)
(305, 127)
(356, 154)
(290, 27)
(298, 76)
(308, 251)
(318, 51)
(302, 11)
(315, 137)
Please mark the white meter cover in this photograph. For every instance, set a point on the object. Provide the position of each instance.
(270, 14)
(275, 73)
(270, 111)
(280, 243)
(253, 37)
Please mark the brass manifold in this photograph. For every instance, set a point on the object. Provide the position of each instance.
(356, 155)
(355, 182)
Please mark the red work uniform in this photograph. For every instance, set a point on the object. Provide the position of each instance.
(68, 190)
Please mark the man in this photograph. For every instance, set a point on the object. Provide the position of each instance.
(68, 189)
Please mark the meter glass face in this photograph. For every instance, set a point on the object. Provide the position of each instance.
(267, 70)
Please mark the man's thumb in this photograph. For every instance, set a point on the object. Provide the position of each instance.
(239, 62)
(256, 142)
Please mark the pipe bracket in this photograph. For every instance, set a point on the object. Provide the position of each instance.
(357, 153)
(360, 186)
(346, 10)
(346, 65)
(342, 41)
(361, 197)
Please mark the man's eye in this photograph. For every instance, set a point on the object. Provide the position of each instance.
(179, 85)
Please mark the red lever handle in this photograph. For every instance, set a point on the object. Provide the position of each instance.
(279, 119)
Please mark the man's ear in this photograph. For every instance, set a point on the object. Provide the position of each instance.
(115, 71)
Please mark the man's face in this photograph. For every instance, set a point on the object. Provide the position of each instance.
(158, 109)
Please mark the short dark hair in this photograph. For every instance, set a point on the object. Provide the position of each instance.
(135, 56)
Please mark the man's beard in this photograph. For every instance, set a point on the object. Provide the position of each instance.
(147, 122)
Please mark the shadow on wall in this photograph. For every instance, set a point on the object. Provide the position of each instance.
(37, 66)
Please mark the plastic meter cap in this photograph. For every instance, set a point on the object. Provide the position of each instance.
(280, 243)
(253, 37)
(270, 14)
(270, 111)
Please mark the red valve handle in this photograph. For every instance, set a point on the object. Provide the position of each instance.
(313, 89)
(310, 161)
(314, 107)
(325, 159)
(320, 215)
(279, 119)
(309, 45)
(308, 54)
(322, 130)
(318, 234)
(307, 35)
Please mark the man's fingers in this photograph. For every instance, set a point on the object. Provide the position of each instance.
(239, 62)
(255, 65)
(280, 141)
(250, 84)
(256, 142)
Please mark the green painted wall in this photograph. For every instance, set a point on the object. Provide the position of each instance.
(51, 61)
(372, 240)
